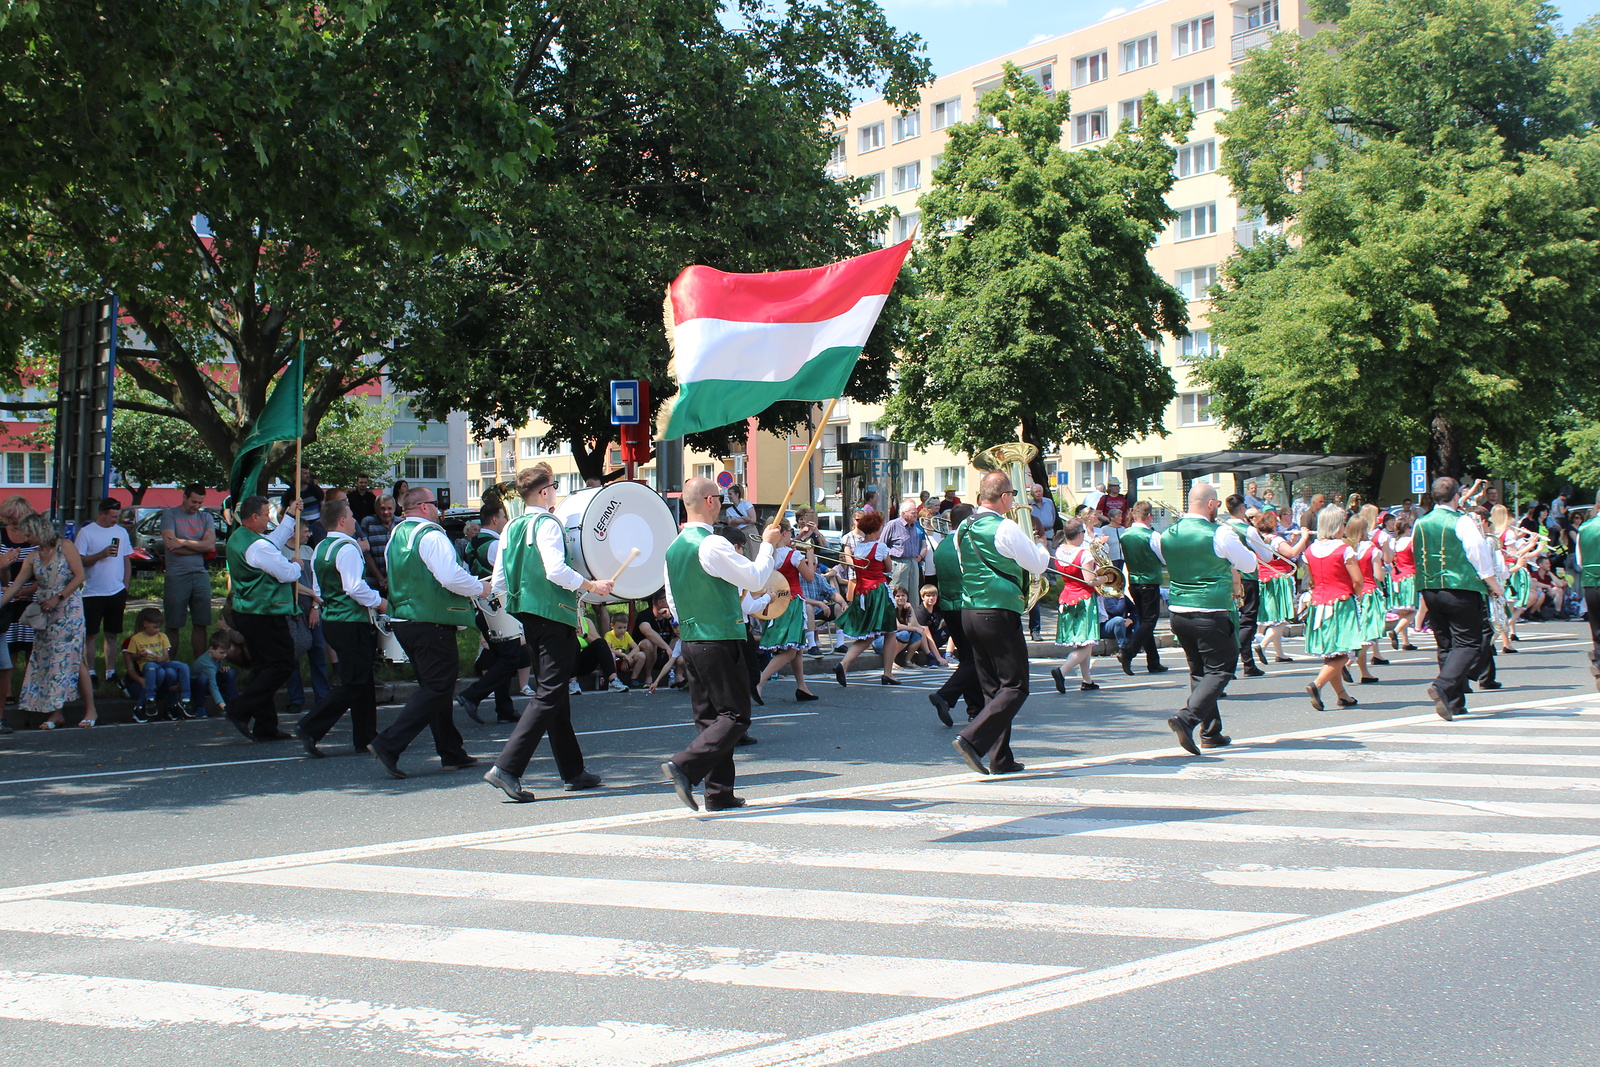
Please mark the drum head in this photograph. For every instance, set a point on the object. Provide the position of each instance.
(607, 522)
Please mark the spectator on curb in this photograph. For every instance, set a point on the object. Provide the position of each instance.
(153, 673)
(375, 531)
(189, 535)
(56, 672)
(215, 683)
(107, 552)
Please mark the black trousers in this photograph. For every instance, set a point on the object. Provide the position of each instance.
(719, 693)
(1485, 671)
(553, 657)
(1247, 621)
(271, 650)
(1458, 618)
(963, 681)
(1001, 655)
(594, 657)
(1146, 601)
(354, 687)
(1211, 644)
(1591, 603)
(500, 665)
(432, 651)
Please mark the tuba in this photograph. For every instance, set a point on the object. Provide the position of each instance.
(1108, 579)
(1011, 459)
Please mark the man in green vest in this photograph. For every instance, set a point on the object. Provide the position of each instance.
(963, 682)
(705, 575)
(1200, 555)
(1589, 569)
(1249, 587)
(540, 586)
(1144, 590)
(996, 558)
(338, 580)
(263, 600)
(502, 657)
(429, 600)
(1455, 575)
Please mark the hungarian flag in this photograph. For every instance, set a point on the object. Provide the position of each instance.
(743, 342)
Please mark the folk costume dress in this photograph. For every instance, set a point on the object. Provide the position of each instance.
(1277, 587)
(787, 631)
(1334, 628)
(1078, 622)
(1519, 587)
(1373, 607)
(1405, 575)
(872, 611)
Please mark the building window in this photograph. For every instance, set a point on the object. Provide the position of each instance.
(1093, 472)
(950, 478)
(528, 447)
(1194, 409)
(1196, 283)
(868, 429)
(906, 225)
(935, 163)
(475, 452)
(703, 470)
(1149, 481)
(1202, 96)
(836, 152)
(474, 488)
(1089, 126)
(907, 126)
(1196, 222)
(908, 177)
(1194, 36)
(27, 468)
(1197, 158)
(425, 468)
(946, 113)
(1089, 69)
(874, 189)
(1197, 345)
(869, 138)
(911, 483)
(1140, 53)
(1131, 111)
(1260, 15)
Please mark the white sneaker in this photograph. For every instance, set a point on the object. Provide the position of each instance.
(573, 688)
(618, 685)
(527, 690)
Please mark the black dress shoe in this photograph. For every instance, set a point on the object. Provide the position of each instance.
(311, 744)
(1377, 661)
(1394, 640)
(801, 696)
(680, 784)
(1059, 678)
(1157, 669)
(1370, 679)
(1088, 687)
(884, 679)
(1440, 706)
(1282, 659)
(1410, 648)
(1185, 735)
(1492, 685)
(458, 763)
(755, 697)
(1254, 672)
(470, 708)
(969, 754)
(726, 804)
(1010, 768)
(838, 674)
(509, 784)
(242, 725)
(748, 740)
(1348, 702)
(1215, 741)
(1314, 691)
(390, 763)
(941, 708)
(1344, 672)
(586, 780)
(1126, 663)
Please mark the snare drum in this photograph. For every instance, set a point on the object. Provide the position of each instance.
(605, 523)
(501, 624)
(388, 644)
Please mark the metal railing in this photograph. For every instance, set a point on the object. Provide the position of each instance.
(1255, 37)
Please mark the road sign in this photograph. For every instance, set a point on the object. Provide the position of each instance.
(725, 479)
(625, 402)
(798, 448)
(1419, 475)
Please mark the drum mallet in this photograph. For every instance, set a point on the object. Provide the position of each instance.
(632, 555)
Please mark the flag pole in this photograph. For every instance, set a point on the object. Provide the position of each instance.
(805, 460)
(300, 335)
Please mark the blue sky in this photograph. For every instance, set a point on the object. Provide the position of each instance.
(963, 32)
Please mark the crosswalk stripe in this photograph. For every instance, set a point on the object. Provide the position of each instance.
(1529, 722)
(1344, 805)
(776, 902)
(1445, 779)
(137, 1004)
(986, 864)
(1465, 738)
(517, 950)
(1466, 759)
(1183, 830)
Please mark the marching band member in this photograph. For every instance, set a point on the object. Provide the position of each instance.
(1249, 584)
(1404, 585)
(501, 658)
(263, 600)
(1078, 620)
(1144, 589)
(785, 636)
(963, 681)
(1333, 629)
(1455, 573)
(1370, 604)
(705, 575)
(1589, 567)
(1277, 583)
(338, 580)
(871, 610)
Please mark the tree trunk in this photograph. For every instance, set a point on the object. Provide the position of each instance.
(590, 457)
(1445, 445)
(137, 492)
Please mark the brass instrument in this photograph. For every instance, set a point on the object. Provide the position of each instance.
(1108, 577)
(1012, 459)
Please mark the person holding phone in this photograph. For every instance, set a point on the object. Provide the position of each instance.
(107, 551)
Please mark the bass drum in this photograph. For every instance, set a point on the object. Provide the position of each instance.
(388, 644)
(605, 523)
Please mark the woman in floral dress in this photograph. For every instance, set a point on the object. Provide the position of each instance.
(56, 671)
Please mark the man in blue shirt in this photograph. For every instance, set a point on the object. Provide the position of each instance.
(907, 543)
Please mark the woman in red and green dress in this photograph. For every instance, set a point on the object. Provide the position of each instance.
(871, 610)
(1078, 620)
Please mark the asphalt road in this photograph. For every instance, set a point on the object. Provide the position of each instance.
(1366, 886)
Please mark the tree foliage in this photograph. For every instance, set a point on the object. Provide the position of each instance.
(1434, 164)
(680, 138)
(239, 172)
(1035, 299)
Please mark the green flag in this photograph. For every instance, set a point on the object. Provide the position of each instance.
(282, 419)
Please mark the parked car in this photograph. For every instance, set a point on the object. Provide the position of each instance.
(147, 536)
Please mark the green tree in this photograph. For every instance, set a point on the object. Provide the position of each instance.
(1434, 164)
(680, 139)
(1036, 305)
(236, 173)
(351, 443)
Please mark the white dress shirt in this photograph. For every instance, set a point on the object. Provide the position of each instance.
(352, 568)
(721, 560)
(1479, 552)
(1014, 544)
(1226, 544)
(439, 555)
(266, 554)
(1253, 541)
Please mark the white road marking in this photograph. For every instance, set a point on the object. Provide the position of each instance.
(988, 864)
(132, 1004)
(1465, 738)
(1377, 779)
(516, 950)
(1466, 759)
(776, 902)
(840, 1046)
(1184, 830)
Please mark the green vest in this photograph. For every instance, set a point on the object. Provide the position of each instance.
(255, 592)
(989, 579)
(1144, 566)
(415, 595)
(708, 607)
(1589, 552)
(529, 591)
(1441, 558)
(478, 555)
(947, 572)
(1242, 528)
(1199, 577)
(337, 605)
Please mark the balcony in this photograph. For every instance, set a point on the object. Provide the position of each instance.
(1255, 37)
(486, 467)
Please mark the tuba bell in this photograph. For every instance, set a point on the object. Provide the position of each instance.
(1108, 579)
(1012, 459)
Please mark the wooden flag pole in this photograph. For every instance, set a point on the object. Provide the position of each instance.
(805, 460)
(295, 543)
